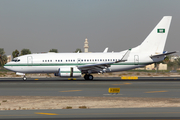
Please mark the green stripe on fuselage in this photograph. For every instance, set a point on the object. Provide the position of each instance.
(70, 72)
(72, 64)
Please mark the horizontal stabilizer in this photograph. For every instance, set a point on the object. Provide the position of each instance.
(168, 53)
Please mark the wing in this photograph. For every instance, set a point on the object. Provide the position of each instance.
(100, 66)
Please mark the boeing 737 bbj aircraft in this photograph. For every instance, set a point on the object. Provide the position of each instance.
(76, 64)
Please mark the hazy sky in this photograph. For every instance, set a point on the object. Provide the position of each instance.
(41, 25)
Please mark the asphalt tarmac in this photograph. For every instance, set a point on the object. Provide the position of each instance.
(103, 114)
(96, 88)
(150, 88)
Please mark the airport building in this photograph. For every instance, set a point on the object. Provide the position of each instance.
(152, 67)
(8, 58)
(174, 57)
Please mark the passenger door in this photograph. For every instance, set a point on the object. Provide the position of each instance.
(136, 59)
(29, 60)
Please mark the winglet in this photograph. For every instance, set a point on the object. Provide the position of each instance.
(125, 57)
(105, 50)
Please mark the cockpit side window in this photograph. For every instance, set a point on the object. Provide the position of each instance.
(16, 60)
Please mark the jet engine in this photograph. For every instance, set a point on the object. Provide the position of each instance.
(68, 72)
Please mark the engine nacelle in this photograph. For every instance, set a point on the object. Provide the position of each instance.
(68, 72)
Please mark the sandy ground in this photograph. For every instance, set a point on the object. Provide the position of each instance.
(36, 102)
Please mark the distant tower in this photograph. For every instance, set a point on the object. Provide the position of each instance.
(86, 46)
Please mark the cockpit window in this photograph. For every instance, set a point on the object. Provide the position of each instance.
(16, 60)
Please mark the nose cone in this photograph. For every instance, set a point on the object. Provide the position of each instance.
(5, 66)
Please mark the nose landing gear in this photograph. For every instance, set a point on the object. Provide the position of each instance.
(24, 78)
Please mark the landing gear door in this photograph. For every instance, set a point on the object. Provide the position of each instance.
(29, 60)
(136, 59)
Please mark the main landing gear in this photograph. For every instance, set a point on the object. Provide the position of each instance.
(88, 77)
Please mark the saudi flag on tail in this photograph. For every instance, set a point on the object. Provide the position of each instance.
(161, 30)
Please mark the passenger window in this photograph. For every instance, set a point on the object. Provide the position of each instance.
(42, 60)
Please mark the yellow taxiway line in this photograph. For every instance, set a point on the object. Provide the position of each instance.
(123, 84)
(47, 113)
(155, 91)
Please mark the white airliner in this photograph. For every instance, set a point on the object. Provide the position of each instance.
(76, 64)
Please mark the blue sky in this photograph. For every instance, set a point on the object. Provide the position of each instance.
(41, 25)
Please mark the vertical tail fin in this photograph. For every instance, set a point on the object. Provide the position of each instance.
(155, 41)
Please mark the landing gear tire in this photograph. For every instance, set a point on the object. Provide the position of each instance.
(88, 77)
(24, 78)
